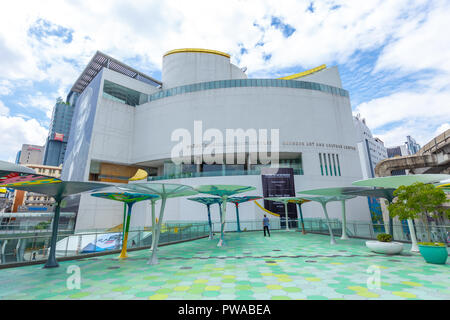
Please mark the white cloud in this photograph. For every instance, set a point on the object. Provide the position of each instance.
(441, 129)
(17, 131)
(4, 111)
(413, 34)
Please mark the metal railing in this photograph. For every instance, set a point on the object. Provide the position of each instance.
(354, 229)
(23, 249)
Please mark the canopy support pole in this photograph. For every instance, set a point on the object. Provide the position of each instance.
(51, 261)
(153, 226)
(286, 215)
(344, 222)
(123, 253)
(414, 246)
(237, 218)
(154, 259)
(301, 217)
(222, 222)
(209, 221)
(324, 206)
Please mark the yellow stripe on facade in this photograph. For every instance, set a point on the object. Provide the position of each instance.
(198, 50)
(304, 73)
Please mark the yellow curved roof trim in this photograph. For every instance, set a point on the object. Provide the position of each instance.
(304, 73)
(197, 50)
(140, 175)
(265, 210)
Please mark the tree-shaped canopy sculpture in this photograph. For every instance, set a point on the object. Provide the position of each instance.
(285, 201)
(128, 199)
(11, 173)
(164, 190)
(389, 184)
(341, 194)
(299, 201)
(323, 201)
(223, 191)
(58, 190)
(237, 201)
(208, 201)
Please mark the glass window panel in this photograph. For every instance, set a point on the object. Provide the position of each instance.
(321, 165)
(329, 163)
(339, 166)
(334, 165)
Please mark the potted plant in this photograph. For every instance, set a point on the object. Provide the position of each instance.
(385, 245)
(434, 252)
(416, 201)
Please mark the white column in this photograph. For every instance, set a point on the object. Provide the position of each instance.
(414, 246)
(344, 222)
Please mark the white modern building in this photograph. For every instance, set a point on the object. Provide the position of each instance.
(125, 120)
(371, 149)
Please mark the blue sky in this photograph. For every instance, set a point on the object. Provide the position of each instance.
(392, 55)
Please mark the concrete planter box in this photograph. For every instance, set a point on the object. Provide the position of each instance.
(385, 247)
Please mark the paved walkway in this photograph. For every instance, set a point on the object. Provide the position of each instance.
(288, 265)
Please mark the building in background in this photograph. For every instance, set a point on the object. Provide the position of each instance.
(30, 154)
(433, 157)
(59, 130)
(124, 120)
(398, 151)
(371, 151)
(33, 202)
(412, 145)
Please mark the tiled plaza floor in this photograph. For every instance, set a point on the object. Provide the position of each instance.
(288, 265)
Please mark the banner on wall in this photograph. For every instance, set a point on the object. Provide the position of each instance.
(279, 182)
(59, 136)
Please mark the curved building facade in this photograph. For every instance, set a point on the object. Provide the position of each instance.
(129, 124)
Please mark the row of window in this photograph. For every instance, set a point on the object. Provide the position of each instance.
(123, 94)
(329, 162)
(295, 84)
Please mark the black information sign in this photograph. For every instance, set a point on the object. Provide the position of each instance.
(279, 182)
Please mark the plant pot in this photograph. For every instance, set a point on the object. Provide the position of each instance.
(434, 254)
(385, 247)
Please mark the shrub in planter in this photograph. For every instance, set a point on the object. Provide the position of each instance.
(385, 245)
(434, 252)
(384, 237)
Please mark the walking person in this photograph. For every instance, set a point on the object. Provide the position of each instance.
(266, 225)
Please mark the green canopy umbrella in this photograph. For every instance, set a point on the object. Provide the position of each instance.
(285, 201)
(299, 201)
(386, 193)
(393, 182)
(323, 200)
(58, 190)
(397, 181)
(208, 201)
(237, 201)
(223, 191)
(128, 199)
(20, 175)
(341, 195)
(164, 190)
